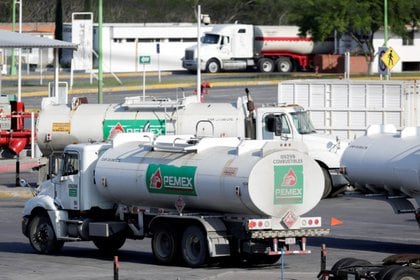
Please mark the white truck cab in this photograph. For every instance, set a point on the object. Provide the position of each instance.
(293, 122)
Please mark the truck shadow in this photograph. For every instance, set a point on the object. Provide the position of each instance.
(124, 256)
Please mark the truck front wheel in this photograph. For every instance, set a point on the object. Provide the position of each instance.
(164, 244)
(284, 65)
(42, 236)
(213, 66)
(194, 247)
(266, 65)
(327, 183)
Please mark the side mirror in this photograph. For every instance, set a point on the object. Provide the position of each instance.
(273, 124)
(278, 126)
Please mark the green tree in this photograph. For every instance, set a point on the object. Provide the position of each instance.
(358, 18)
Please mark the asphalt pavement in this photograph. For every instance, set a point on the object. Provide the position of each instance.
(8, 177)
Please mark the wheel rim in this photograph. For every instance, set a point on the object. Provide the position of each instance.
(284, 67)
(194, 247)
(213, 67)
(42, 237)
(267, 67)
(164, 245)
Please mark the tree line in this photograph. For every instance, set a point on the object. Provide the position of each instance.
(146, 11)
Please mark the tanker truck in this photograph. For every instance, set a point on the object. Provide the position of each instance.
(267, 48)
(197, 199)
(384, 164)
(60, 125)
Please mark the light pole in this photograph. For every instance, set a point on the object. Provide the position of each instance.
(385, 22)
(12, 60)
(206, 19)
(198, 53)
(20, 54)
(100, 55)
(386, 32)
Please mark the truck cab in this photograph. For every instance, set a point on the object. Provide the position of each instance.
(222, 48)
(293, 122)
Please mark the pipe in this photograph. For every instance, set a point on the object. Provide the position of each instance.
(16, 145)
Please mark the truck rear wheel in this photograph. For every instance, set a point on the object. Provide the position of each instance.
(266, 65)
(164, 244)
(194, 246)
(213, 66)
(42, 236)
(284, 65)
(397, 272)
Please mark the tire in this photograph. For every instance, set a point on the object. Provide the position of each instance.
(42, 236)
(327, 183)
(284, 65)
(164, 245)
(347, 262)
(396, 272)
(265, 65)
(213, 66)
(194, 247)
(110, 245)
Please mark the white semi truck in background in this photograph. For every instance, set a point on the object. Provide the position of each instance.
(384, 164)
(59, 125)
(195, 198)
(267, 48)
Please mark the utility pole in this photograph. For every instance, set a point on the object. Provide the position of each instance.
(12, 60)
(386, 32)
(100, 55)
(20, 55)
(198, 53)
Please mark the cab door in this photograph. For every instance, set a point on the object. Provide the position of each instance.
(68, 191)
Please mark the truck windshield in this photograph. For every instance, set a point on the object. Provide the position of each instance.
(302, 122)
(211, 39)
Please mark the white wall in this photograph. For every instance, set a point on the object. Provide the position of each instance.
(406, 53)
(124, 43)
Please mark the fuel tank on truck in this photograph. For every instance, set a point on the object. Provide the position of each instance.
(286, 38)
(60, 125)
(268, 178)
(385, 161)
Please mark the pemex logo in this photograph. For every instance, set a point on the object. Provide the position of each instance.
(171, 179)
(289, 179)
(288, 184)
(156, 180)
(118, 128)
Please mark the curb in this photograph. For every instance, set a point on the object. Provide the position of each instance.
(21, 193)
(150, 87)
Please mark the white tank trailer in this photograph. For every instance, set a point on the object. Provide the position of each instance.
(213, 179)
(60, 125)
(384, 164)
(196, 198)
(287, 39)
(386, 161)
